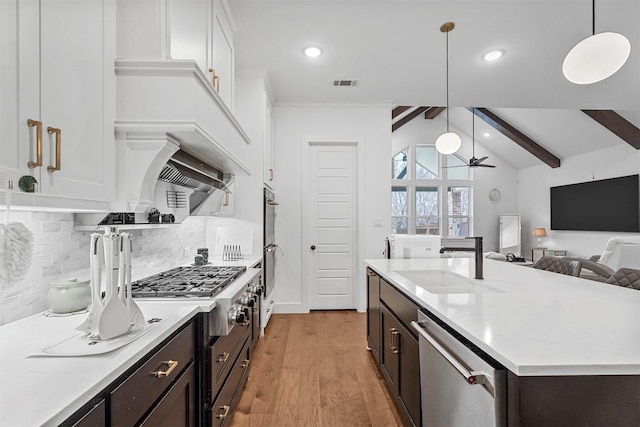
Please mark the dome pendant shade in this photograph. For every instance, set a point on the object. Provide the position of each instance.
(448, 143)
(596, 58)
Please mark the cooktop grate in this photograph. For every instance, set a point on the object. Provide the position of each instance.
(191, 281)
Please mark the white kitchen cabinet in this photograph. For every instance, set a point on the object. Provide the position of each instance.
(222, 55)
(59, 77)
(268, 151)
(201, 31)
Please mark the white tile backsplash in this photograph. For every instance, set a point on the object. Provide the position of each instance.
(61, 252)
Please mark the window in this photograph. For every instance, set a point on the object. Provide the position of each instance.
(426, 162)
(431, 193)
(458, 209)
(400, 165)
(399, 210)
(427, 208)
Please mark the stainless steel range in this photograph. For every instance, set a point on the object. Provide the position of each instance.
(236, 290)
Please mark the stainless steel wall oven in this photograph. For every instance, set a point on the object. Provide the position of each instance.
(269, 255)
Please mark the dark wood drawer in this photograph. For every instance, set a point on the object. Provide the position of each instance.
(177, 408)
(404, 309)
(96, 417)
(131, 399)
(220, 410)
(222, 355)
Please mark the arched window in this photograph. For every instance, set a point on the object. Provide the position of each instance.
(430, 193)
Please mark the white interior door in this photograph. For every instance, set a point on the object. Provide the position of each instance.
(332, 213)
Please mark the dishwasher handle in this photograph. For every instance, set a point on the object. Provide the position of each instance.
(472, 377)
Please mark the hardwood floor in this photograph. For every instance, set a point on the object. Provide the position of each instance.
(314, 370)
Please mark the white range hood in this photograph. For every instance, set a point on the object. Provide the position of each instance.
(164, 106)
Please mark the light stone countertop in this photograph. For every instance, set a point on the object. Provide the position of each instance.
(533, 322)
(46, 390)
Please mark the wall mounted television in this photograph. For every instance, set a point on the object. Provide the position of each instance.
(604, 205)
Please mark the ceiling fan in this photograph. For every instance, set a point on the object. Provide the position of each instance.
(473, 161)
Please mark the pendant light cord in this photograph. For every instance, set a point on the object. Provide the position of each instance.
(447, 83)
(473, 132)
(593, 17)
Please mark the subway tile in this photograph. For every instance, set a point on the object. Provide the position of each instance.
(16, 313)
(50, 226)
(40, 216)
(18, 289)
(51, 270)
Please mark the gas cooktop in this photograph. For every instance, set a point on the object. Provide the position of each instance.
(191, 281)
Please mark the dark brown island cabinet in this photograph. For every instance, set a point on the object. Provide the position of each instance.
(393, 344)
(579, 400)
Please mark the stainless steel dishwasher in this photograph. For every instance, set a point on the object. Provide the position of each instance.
(460, 386)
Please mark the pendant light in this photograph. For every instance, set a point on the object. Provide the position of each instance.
(596, 57)
(448, 142)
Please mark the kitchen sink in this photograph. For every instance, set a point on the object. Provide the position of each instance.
(445, 282)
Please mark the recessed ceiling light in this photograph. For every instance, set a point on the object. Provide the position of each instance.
(486, 134)
(312, 51)
(493, 55)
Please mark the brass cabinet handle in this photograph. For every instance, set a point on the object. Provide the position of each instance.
(215, 80)
(270, 174)
(38, 126)
(222, 357)
(58, 133)
(172, 364)
(245, 363)
(225, 412)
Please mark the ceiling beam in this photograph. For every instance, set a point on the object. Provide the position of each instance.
(399, 110)
(518, 137)
(433, 112)
(406, 119)
(617, 124)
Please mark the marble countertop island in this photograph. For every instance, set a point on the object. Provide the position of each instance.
(533, 322)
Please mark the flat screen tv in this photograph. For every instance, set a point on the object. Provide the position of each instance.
(603, 205)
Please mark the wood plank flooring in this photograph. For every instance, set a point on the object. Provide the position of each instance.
(314, 370)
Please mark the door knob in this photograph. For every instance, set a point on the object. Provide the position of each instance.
(313, 247)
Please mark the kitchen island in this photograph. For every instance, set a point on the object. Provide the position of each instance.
(568, 338)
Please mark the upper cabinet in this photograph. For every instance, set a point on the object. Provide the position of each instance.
(58, 101)
(202, 30)
(269, 152)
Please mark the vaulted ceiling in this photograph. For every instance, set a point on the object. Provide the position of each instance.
(396, 52)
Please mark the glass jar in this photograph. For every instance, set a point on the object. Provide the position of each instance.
(69, 295)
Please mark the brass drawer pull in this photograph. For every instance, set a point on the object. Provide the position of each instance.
(172, 364)
(245, 363)
(394, 346)
(38, 126)
(225, 412)
(58, 133)
(215, 80)
(270, 174)
(222, 357)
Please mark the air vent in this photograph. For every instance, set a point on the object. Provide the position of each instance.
(345, 82)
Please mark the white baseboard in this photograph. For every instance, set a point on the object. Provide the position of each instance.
(290, 308)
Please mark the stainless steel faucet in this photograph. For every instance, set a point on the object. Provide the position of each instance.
(478, 252)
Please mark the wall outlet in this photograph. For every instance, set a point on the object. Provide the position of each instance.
(377, 222)
(186, 251)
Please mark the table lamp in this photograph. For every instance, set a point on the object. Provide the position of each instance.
(539, 232)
